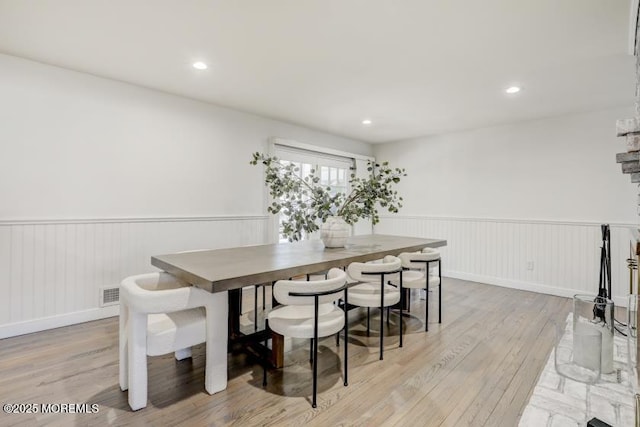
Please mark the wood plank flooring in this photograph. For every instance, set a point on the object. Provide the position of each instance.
(477, 368)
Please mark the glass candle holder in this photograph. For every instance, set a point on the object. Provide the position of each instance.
(591, 312)
(564, 355)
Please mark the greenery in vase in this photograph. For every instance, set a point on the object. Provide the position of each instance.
(304, 201)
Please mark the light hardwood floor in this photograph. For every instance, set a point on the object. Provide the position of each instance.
(477, 368)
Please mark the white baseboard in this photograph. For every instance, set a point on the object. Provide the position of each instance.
(52, 322)
(525, 286)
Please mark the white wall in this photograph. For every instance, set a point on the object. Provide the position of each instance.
(507, 196)
(78, 146)
(98, 175)
(560, 168)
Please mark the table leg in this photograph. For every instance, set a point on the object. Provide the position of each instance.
(406, 301)
(216, 347)
(277, 340)
(235, 296)
(277, 350)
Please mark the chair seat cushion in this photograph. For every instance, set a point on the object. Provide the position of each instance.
(368, 295)
(412, 279)
(167, 332)
(296, 321)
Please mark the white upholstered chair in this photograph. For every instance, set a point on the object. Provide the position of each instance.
(374, 291)
(160, 314)
(307, 311)
(415, 265)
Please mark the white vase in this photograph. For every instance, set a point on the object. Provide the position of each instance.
(334, 232)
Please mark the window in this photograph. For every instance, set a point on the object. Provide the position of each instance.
(334, 171)
(335, 178)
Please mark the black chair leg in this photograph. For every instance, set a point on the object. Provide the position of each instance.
(346, 340)
(264, 375)
(315, 372)
(338, 339)
(426, 315)
(368, 319)
(315, 353)
(264, 363)
(381, 316)
(400, 320)
(381, 332)
(439, 291)
(401, 303)
(264, 298)
(255, 308)
(346, 358)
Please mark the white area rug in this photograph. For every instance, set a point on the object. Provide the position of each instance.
(558, 401)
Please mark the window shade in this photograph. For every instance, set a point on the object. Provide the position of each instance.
(312, 157)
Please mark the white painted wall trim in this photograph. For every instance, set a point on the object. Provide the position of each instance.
(52, 322)
(508, 220)
(47, 221)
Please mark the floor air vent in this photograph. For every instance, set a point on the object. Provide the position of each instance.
(109, 296)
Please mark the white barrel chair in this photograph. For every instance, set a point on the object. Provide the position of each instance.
(307, 311)
(161, 314)
(373, 289)
(416, 265)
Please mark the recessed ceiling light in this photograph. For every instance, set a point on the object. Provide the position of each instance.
(199, 65)
(513, 89)
(366, 122)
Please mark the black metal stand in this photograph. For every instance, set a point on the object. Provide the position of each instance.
(604, 285)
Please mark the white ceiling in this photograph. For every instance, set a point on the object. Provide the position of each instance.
(414, 67)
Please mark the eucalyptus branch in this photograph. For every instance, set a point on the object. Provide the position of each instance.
(280, 167)
(306, 203)
(353, 196)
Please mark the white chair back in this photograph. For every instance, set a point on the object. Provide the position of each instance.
(160, 293)
(420, 259)
(336, 278)
(434, 253)
(389, 263)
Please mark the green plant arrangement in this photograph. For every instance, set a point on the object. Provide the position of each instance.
(305, 202)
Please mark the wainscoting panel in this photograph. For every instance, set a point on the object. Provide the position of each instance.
(51, 272)
(558, 258)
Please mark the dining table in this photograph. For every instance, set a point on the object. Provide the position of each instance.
(224, 272)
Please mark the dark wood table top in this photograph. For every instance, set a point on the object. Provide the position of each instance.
(220, 270)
